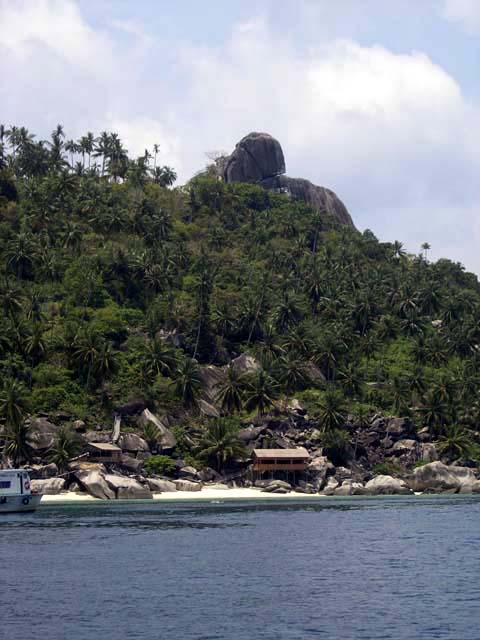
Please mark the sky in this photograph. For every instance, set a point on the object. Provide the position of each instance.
(379, 101)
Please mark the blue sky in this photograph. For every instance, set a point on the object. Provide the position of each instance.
(377, 100)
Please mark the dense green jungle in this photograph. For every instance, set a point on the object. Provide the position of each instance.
(118, 287)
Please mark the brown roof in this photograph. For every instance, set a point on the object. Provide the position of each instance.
(300, 452)
(104, 446)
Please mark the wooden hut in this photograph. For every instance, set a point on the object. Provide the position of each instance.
(279, 461)
(104, 452)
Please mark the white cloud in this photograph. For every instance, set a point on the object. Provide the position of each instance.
(139, 134)
(465, 12)
(27, 26)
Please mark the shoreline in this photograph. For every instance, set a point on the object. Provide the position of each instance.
(173, 496)
(219, 495)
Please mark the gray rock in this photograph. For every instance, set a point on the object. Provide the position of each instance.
(438, 477)
(132, 442)
(321, 199)
(208, 409)
(245, 364)
(405, 446)
(168, 441)
(38, 471)
(189, 473)
(127, 488)
(428, 452)
(128, 463)
(318, 469)
(49, 486)
(400, 428)
(93, 481)
(251, 433)
(207, 474)
(159, 485)
(186, 485)
(273, 485)
(329, 488)
(349, 488)
(386, 485)
(41, 434)
(257, 156)
(79, 426)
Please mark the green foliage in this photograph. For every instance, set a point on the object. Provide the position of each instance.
(160, 465)
(388, 468)
(115, 285)
(219, 443)
(66, 446)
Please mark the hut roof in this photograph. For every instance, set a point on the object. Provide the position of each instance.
(299, 452)
(104, 446)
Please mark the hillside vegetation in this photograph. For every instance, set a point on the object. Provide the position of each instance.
(116, 286)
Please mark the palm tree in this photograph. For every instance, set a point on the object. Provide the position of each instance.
(66, 446)
(188, 382)
(261, 391)
(456, 442)
(332, 413)
(219, 444)
(158, 358)
(292, 373)
(230, 391)
(426, 247)
(13, 408)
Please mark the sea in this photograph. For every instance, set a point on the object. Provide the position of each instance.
(396, 568)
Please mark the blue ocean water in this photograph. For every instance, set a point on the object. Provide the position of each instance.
(384, 568)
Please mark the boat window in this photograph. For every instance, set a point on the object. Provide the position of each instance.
(5, 484)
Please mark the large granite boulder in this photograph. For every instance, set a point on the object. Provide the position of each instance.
(245, 364)
(186, 485)
(160, 485)
(189, 473)
(277, 486)
(132, 442)
(257, 156)
(167, 440)
(317, 471)
(386, 485)
(349, 488)
(40, 471)
(436, 477)
(49, 486)
(41, 434)
(92, 479)
(127, 488)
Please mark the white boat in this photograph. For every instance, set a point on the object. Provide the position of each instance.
(16, 493)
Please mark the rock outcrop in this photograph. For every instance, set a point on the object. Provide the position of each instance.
(258, 158)
(385, 486)
(128, 488)
(437, 477)
(49, 486)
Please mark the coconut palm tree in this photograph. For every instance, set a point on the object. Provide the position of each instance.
(332, 413)
(158, 358)
(66, 446)
(261, 391)
(219, 444)
(188, 382)
(13, 408)
(231, 390)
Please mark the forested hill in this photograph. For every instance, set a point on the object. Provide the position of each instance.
(117, 286)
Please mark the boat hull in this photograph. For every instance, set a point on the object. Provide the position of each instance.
(14, 503)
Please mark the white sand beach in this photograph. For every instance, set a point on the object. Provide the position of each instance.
(204, 494)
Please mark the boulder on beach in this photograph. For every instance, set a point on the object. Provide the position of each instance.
(48, 486)
(277, 486)
(437, 477)
(93, 481)
(386, 485)
(127, 488)
(186, 485)
(160, 485)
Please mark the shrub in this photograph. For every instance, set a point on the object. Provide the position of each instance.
(160, 465)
